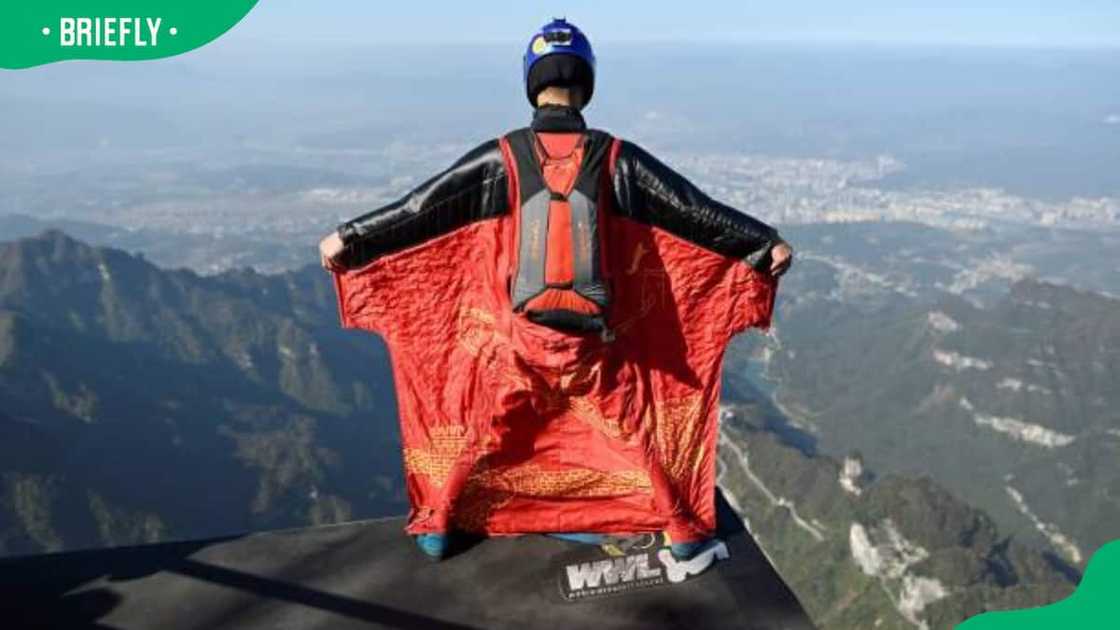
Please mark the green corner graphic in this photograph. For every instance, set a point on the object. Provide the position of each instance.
(35, 32)
(1095, 605)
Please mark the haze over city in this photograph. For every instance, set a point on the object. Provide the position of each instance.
(932, 407)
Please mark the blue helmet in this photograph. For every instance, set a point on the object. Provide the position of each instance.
(559, 54)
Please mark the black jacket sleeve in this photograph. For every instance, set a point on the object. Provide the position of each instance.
(647, 190)
(472, 189)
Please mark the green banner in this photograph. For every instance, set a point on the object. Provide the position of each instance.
(34, 32)
(1095, 605)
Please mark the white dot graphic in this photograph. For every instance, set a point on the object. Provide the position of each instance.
(173, 31)
(46, 30)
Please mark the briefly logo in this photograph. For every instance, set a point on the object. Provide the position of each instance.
(45, 31)
(539, 45)
(612, 576)
(109, 32)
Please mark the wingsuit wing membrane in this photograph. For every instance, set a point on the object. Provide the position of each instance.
(510, 427)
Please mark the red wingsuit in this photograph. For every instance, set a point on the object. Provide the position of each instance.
(511, 427)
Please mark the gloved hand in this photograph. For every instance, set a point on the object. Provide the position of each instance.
(781, 257)
(329, 249)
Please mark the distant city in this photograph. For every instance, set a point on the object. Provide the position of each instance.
(911, 442)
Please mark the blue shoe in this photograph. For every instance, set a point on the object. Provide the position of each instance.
(689, 550)
(585, 539)
(433, 545)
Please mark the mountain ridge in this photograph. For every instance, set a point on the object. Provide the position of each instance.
(104, 354)
(183, 405)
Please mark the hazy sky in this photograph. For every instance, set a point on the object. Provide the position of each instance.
(1076, 23)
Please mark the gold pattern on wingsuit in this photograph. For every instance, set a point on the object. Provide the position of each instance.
(655, 290)
(490, 489)
(573, 394)
(678, 434)
(477, 329)
(446, 443)
(587, 410)
(653, 293)
(578, 380)
(530, 480)
(639, 252)
(476, 505)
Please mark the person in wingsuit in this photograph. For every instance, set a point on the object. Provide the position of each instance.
(556, 306)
